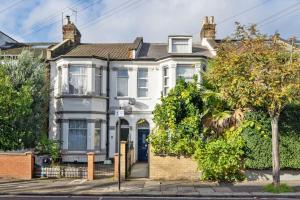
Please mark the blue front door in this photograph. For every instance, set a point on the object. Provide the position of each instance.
(142, 144)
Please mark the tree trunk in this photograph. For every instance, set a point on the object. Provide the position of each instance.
(275, 151)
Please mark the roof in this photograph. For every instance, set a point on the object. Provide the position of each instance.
(6, 41)
(37, 48)
(121, 51)
(113, 50)
(160, 51)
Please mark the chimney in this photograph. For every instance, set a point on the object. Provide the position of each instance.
(208, 29)
(70, 31)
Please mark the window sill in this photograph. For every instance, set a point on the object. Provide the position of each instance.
(143, 98)
(122, 98)
(80, 96)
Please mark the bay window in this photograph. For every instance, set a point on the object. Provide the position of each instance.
(185, 71)
(77, 79)
(77, 139)
(142, 83)
(165, 80)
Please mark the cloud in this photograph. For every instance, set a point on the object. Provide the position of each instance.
(123, 20)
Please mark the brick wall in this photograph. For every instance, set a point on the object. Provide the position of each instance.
(123, 162)
(17, 165)
(172, 168)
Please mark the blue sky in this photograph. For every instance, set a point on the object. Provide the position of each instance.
(123, 20)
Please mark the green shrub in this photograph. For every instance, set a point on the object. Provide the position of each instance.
(259, 144)
(178, 120)
(222, 159)
(280, 189)
(48, 146)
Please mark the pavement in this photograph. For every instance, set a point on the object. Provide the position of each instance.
(139, 170)
(141, 188)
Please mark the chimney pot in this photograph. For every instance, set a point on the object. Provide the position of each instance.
(212, 19)
(68, 19)
(205, 20)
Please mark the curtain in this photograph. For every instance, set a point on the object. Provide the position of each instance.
(77, 80)
(77, 135)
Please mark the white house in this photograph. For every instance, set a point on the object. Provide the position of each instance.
(90, 81)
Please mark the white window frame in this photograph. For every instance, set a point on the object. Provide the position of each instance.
(127, 77)
(166, 77)
(142, 78)
(83, 75)
(86, 131)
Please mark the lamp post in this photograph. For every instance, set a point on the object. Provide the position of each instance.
(119, 113)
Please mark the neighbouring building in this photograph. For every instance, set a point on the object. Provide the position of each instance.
(90, 81)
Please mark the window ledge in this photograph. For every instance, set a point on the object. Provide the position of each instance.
(80, 96)
(143, 98)
(123, 98)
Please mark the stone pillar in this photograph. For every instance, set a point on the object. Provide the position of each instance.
(30, 161)
(123, 161)
(90, 167)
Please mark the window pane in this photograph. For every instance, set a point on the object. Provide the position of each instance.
(74, 69)
(166, 73)
(142, 92)
(77, 135)
(97, 138)
(122, 73)
(98, 124)
(180, 45)
(185, 71)
(166, 80)
(77, 80)
(180, 41)
(98, 81)
(179, 48)
(142, 83)
(142, 73)
(165, 91)
(122, 87)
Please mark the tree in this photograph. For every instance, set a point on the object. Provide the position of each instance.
(14, 106)
(178, 120)
(253, 70)
(30, 70)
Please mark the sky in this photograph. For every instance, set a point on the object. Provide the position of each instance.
(123, 20)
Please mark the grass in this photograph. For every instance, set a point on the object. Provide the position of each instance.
(281, 189)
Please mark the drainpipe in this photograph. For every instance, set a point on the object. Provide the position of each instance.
(107, 108)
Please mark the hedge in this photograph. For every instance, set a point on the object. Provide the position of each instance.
(259, 146)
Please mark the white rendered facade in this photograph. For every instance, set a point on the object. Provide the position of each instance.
(83, 97)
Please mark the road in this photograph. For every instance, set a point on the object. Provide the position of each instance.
(127, 198)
